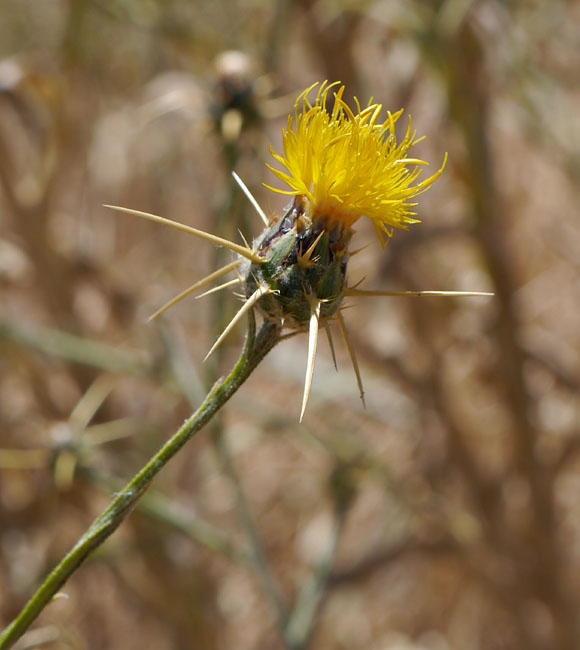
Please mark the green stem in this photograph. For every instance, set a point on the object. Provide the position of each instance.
(255, 349)
(167, 512)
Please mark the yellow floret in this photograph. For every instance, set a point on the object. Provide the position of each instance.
(348, 165)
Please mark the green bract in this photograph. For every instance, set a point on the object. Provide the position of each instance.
(302, 263)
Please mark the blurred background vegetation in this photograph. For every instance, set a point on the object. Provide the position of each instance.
(445, 515)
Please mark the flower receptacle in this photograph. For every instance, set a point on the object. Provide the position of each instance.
(302, 262)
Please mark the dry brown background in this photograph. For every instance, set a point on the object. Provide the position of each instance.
(463, 473)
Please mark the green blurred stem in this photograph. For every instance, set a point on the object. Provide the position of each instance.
(73, 348)
(309, 599)
(255, 556)
(229, 218)
(255, 349)
(257, 552)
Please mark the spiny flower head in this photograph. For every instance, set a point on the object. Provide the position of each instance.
(340, 167)
(349, 165)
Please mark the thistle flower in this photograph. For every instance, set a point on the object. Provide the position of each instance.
(340, 166)
(348, 165)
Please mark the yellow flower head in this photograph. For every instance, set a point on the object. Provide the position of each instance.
(339, 167)
(348, 165)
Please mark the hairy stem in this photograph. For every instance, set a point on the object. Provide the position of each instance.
(255, 349)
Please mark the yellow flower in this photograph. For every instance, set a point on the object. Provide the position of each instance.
(340, 166)
(348, 165)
